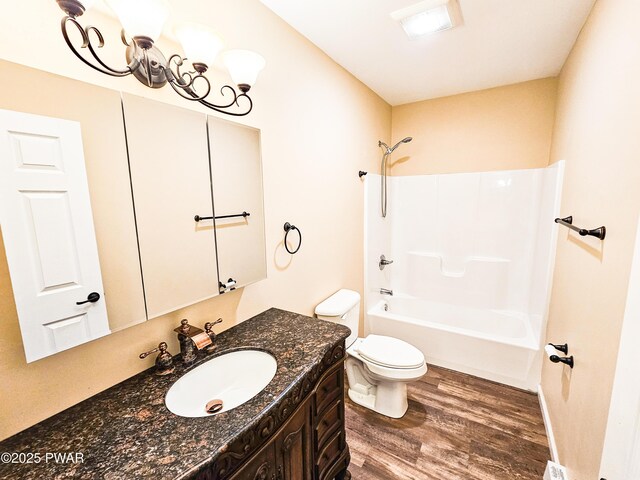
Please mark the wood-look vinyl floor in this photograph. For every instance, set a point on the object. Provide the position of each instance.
(458, 427)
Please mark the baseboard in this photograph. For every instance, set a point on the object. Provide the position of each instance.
(547, 425)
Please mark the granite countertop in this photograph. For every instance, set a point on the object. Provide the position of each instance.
(127, 432)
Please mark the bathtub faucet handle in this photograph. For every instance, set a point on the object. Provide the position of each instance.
(384, 262)
(384, 291)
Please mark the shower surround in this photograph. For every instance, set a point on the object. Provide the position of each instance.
(473, 257)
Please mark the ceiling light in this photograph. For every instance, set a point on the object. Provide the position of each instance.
(429, 16)
(142, 22)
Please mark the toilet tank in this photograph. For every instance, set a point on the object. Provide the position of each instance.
(342, 307)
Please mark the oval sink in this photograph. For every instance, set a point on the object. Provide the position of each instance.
(233, 378)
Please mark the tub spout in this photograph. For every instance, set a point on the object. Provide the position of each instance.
(384, 291)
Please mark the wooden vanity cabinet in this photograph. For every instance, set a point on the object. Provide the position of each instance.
(311, 444)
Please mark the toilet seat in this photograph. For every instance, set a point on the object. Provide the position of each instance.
(390, 352)
(386, 372)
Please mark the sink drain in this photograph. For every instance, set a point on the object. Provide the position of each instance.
(214, 406)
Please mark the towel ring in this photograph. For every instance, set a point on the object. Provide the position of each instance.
(288, 228)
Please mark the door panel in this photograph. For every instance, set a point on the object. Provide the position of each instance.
(294, 445)
(48, 233)
(262, 466)
(48, 217)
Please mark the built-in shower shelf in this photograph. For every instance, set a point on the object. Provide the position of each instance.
(457, 268)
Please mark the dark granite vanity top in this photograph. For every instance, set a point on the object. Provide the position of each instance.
(126, 432)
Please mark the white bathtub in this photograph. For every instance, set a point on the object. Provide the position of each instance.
(492, 344)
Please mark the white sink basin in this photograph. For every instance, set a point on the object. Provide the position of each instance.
(234, 378)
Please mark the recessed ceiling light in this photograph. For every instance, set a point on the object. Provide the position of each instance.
(429, 16)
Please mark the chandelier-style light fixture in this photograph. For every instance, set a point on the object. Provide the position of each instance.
(142, 22)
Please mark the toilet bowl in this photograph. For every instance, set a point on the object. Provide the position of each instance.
(378, 367)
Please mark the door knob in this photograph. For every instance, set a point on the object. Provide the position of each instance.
(93, 297)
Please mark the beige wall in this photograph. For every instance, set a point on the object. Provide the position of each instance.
(597, 134)
(319, 127)
(498, 129)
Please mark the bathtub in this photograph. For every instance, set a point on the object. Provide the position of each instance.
(492, 344)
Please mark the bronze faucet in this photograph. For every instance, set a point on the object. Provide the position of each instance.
(193, 339)
(186, 334)
(164, 361)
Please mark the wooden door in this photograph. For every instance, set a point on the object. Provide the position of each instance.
(294, 446)
(262, 466)
(47, 226)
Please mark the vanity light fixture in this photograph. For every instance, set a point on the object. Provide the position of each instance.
(142, 22)
(425, 17)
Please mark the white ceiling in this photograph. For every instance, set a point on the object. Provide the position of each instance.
(500, 42)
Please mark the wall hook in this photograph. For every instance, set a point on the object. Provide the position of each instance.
(362, 173)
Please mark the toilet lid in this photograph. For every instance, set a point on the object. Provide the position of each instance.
(390, 352)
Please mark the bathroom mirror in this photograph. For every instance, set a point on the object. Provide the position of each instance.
(171, 184)
(149, 170)
(197, 192)
(236, 168)
(99, 112)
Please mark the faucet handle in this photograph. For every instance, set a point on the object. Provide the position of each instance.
(162, 345)
(164, 360)
(208, 328)
(384, 262)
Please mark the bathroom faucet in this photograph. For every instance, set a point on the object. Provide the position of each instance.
(191, 340)
(384, 291)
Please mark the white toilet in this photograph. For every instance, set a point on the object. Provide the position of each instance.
(378, 367)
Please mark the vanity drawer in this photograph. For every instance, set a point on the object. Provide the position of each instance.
(331, 421)
(329, 390)
(328, 455)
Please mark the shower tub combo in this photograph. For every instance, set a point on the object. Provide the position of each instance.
(472, 268)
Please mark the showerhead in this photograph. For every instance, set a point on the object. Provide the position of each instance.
(404, 140)
(383, 171)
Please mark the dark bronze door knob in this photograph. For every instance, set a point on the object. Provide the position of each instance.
(93, 297)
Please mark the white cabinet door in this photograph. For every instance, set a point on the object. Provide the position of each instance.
(236, 166)
(171, 185)
(46, 220)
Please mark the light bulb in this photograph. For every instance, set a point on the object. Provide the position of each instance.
(243, 66)
(141, 18)
(200, 43)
